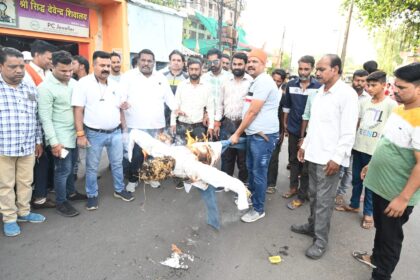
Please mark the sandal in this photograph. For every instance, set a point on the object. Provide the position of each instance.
(271, 189)
(290, 193)
(363, 257)
(295, 203)
(339, 200)
(346, 208)
(367, 223)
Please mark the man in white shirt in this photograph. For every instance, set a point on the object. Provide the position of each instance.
(99, 120)
(326, 147)
(229, 115)
(145, 93)
(115, 67)
(193, 98)
(35, 73)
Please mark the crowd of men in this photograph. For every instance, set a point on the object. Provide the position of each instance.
(338, 135)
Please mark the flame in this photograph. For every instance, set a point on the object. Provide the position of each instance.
(191, 140)
(202, 153)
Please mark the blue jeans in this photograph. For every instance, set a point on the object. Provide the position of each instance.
(258, 155)
(63, 175)
(360, 160)
(114, 148)
(210, 199)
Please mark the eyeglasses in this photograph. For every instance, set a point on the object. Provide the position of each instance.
(214, 62)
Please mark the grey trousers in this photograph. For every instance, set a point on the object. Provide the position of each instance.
(322, 190)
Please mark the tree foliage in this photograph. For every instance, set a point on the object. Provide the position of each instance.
(380, 15)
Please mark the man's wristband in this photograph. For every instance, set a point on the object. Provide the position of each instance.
(80, 133)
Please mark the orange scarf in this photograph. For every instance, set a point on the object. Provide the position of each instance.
(34, 75)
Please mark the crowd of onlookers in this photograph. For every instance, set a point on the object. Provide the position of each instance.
(340, 137)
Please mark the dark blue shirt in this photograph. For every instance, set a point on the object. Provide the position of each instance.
(295, 102)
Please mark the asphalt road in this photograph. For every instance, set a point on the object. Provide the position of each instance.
(128, 240)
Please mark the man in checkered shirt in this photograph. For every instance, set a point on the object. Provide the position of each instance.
(20, 142)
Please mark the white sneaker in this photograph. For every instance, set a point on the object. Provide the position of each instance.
(153, 184)
(252, 216)
(131, 187)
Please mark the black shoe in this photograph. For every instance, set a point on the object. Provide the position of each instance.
(315, 252)
(47, 204)
(288, 166)
(303, 229)
(124, 195)
(77, 196)
(66, 209)
(180, 185)
(92, 203)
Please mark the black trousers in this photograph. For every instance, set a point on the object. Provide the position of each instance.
(388, 239)
(297, 168)
(229, 157)
(43, 174)
(273, 167)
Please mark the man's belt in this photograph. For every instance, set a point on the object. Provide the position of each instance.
(106, 131)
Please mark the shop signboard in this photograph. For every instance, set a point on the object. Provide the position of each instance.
(49, 16)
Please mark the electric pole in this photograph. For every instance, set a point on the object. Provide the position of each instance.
(346, 35)
(220, 23)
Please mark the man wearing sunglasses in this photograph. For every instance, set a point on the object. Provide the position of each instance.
(215, 77)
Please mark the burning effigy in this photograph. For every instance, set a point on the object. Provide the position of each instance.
(193, 161)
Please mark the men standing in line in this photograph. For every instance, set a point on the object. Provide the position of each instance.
(229, 114)
(359, 85)
(226, 62)
(373, 116)
(279, 77)
(393, 174)
(175, 74)
(326, 146)
(297, 92)
(261, 125)
(20, 142)
(99, 121)
(80, 67)
(56, 115)
(115, 67)
(193, 97)
(36, 71)
(145, 93)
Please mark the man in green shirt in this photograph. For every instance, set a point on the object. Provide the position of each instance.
(56, 114)
(393, 174)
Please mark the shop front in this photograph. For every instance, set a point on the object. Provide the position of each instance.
(80, 27)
